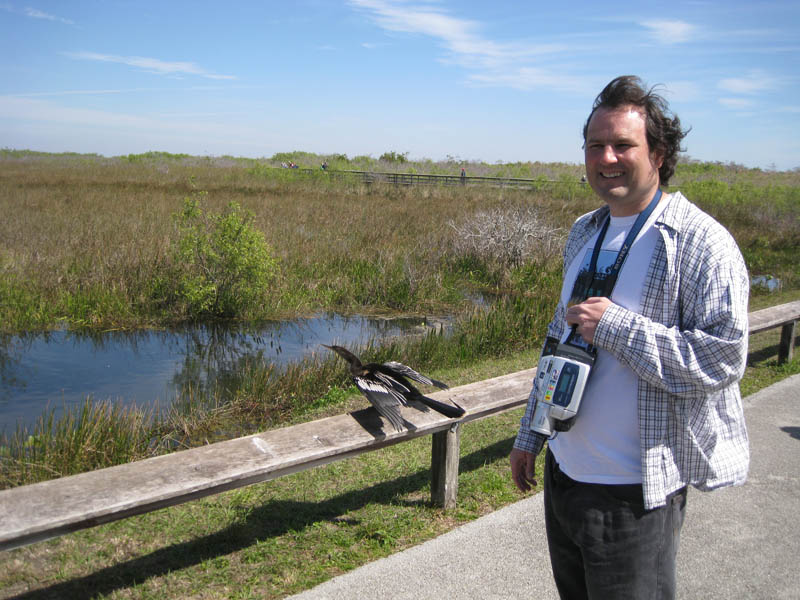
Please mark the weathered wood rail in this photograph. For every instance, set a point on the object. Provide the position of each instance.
(51, 508)
(45, 510)
(784, 316)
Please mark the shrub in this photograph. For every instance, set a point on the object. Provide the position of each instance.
(507, 236)
(394, 157)
(224, 265)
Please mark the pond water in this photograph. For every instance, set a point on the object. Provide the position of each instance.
(60, 368)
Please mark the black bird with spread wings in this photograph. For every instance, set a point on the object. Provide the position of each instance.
(387, 387)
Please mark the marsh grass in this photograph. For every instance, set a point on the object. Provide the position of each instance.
(86, 243)
(86, 240)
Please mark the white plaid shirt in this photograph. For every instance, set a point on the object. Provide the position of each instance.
(688, 347)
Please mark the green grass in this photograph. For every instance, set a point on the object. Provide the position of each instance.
(274, 539)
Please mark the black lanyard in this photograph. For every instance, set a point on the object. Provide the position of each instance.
(610, 279)
(613, 273)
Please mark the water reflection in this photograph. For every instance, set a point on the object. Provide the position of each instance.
(61, 368)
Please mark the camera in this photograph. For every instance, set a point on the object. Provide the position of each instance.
(560, 381)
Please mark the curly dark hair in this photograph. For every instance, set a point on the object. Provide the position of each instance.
(663, 128)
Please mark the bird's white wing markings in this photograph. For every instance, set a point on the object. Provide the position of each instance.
(385, 400)
(414, 375)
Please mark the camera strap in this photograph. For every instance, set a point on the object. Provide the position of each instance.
(610, 279)
(595, 284)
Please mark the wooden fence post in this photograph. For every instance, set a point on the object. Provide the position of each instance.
(445, 450)
(786, 349)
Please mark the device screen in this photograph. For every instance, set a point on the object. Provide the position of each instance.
(565, 385)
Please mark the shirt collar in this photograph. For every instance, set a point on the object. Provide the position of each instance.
(670, 215)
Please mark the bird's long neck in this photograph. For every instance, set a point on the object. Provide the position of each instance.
(352, 359)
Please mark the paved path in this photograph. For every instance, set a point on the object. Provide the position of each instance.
(741, 542)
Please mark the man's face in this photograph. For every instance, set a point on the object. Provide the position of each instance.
(619, 165)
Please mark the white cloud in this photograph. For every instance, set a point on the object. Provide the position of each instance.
(172, 129)
(737, 103)
(753, 82)
(670, 32)
(15, 108)
(145, 90)
(34, 13)
(529, 78)
(152, 65)
(38, 14)
(496, 63)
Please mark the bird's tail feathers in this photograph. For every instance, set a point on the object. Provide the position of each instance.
(454, 412)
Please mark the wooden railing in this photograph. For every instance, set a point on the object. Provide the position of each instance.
(784, 316)
(44, 510)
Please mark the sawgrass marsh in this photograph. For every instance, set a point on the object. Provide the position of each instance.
(90, 242)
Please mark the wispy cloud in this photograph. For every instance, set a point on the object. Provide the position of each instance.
(737, 103)
(495, 63)
(64, 93)
(38, 14)
(529, 78)
(152, 65)
(35, 13)
(670, 32)
(144, 90)
(751, 83)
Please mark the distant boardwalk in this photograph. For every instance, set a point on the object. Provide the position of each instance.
(370, 177)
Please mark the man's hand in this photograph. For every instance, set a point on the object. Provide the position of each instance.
(522, 469)
(587, 315)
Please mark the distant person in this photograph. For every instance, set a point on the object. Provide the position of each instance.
(325, 165)
(662, 408)
(463, 175)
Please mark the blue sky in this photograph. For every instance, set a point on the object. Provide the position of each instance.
(475, 80)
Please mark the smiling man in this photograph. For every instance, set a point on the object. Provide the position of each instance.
(656, 290)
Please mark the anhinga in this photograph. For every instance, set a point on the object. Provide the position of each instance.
(387, 387)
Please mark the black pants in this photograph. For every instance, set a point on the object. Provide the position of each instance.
(604, 544)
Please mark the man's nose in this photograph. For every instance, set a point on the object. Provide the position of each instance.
(609, 154)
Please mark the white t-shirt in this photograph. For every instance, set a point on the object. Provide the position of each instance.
(603, 444)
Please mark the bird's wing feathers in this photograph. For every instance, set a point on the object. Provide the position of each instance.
(385, 400)
(394, 386)
(414, 375)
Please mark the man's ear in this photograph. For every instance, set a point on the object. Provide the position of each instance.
(657, 157)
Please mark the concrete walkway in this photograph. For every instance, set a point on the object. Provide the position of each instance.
(741, 542)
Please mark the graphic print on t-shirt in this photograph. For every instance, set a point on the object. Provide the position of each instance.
(588, 284)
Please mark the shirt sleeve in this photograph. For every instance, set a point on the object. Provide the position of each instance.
(528, 440)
